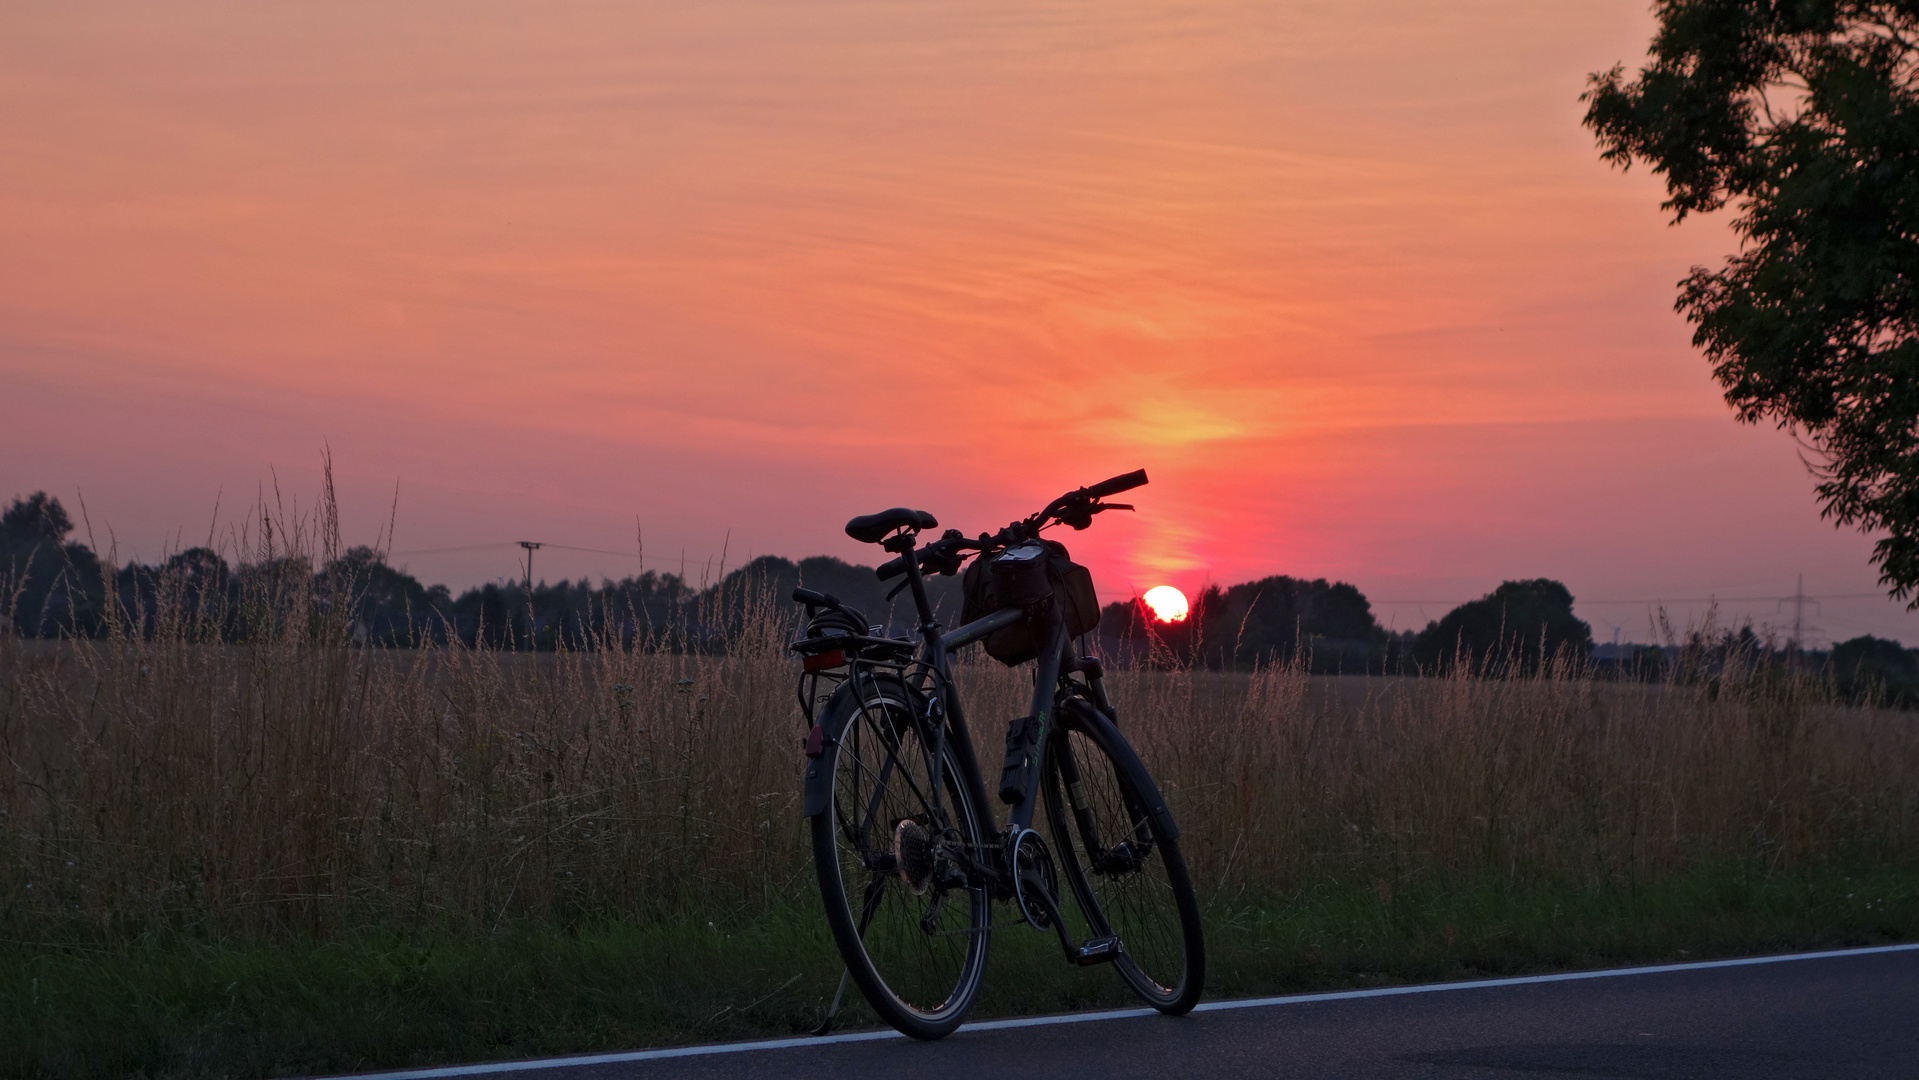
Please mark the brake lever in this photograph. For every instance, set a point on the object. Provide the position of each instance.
(952, 554)
(1097, 507)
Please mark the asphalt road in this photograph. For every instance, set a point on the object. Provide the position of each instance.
(1854, 1015)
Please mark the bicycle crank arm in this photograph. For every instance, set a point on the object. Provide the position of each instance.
(1099, 950)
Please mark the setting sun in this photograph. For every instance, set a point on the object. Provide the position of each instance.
(1167, 603)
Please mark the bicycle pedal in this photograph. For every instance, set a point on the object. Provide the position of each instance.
(1099, 950)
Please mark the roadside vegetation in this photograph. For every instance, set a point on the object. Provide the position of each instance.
(239, 840)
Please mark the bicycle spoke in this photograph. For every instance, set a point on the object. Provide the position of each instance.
(879, 791)
(919, 953)
(1129, 881)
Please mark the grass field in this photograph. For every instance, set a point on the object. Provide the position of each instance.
(196, 1007)
(294, 855)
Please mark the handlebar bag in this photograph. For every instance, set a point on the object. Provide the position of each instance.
(1028, 575)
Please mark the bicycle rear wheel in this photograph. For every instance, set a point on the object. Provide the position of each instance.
(914, 937)
(1125, 868)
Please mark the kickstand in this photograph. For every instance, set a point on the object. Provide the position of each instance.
(833, 1010)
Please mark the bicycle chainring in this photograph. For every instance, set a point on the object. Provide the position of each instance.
(1033, 874)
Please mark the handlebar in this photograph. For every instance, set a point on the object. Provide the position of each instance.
(1131, 480)
(1075, 508)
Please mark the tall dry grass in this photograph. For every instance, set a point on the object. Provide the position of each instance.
(1560, 777)
(296, 784)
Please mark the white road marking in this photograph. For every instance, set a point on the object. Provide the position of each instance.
(1111, 1014)
(1526, 980)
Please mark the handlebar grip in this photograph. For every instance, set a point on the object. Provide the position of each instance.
(809, 597)
(1136, 478)
(892, 569)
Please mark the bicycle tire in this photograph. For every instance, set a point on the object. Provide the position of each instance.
(1138, 887)
(921, 983)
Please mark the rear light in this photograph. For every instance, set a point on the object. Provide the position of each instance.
(825, 661)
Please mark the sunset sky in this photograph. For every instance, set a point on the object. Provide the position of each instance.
(1349, 280)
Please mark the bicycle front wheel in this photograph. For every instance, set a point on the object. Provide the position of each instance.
(1124, 866)
(913, 934)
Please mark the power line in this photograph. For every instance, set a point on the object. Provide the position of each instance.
(507, 544)
(446, 550)
(596, 551)
(1680, 599)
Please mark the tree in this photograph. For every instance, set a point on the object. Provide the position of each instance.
(1340, 613)
(39, 518)
(47, 587)
(1867, 667)
(1521, 621)
(1804, 116)
(1257, 622)
(388, 606)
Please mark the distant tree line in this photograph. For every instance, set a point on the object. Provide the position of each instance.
(1331, 628)
(52, 586)
(1275, 619)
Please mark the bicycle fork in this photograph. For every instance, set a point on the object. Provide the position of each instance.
(1094, 950)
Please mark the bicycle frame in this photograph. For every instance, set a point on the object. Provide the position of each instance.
(936, 652)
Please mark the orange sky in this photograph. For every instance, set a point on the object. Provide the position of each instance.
(1348, 280)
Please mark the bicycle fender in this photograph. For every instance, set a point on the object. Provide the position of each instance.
(819, 780)
(838, 711)
(1107, 733)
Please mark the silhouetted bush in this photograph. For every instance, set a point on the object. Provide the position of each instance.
(1520, 622)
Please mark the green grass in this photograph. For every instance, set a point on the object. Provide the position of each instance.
(179, 1007)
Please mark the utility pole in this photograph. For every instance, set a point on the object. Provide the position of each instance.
(531, 547)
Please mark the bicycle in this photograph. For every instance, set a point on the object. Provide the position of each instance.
(910, 862)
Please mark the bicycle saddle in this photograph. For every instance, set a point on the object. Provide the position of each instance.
(872, 528)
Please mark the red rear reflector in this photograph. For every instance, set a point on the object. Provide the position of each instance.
(826, 660)
(815, 741)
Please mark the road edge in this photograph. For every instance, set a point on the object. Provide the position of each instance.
(797, 1042)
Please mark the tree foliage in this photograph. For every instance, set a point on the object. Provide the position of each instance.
(1803, 116)
(1273, 619)
(48, 587)
(38, 518)
(1522, 622)
(1868, 668)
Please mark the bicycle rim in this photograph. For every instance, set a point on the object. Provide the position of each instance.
(1128, 878)
(917, 956)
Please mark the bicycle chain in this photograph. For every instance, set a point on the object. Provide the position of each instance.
(986, 849)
